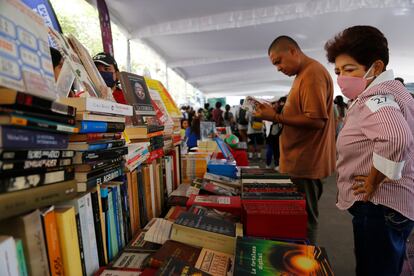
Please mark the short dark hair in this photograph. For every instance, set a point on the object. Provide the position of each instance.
(282, 40)
(365, 44)
(218, 104)
(56, 57)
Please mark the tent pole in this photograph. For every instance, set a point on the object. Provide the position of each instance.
(128, 55)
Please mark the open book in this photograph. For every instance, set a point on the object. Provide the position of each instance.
(251, 103)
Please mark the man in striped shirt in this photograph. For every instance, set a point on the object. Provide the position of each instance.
(375, 150)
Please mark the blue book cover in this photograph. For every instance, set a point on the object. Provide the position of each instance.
(115, 206)
(92, 127)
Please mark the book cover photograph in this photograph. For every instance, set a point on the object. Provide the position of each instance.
(136, 93)
(266, 257)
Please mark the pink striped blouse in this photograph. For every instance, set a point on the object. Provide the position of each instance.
(378, 131)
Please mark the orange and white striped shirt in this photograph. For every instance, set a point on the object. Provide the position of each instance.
(379, 131)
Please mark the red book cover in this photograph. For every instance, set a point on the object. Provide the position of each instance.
(230, 204)
(275, 218)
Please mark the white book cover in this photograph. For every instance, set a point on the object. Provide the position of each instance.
(90, 225)
(159, 232)
(8, 257)
(88, 241)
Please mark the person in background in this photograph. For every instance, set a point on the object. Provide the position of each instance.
(193, 133)
(108, 68)
(206, 114)
(217, 115)
(184, 126)
(57, 62)
(228, 117)
(307, 142)
(191, 114)
(200, 114)
(255, 134)
(340, 108)
(375, 150)
(272, 140)
(242, 122)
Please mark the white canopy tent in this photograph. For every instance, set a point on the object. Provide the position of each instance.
(220, 46)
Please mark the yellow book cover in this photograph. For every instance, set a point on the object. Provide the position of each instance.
(68, 239)
(168, 101)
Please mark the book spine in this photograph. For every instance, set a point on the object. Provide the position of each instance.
(9, 265)
(80, 243)
(92, 127)
(116, 215)
(16, 166)
(41, 124)
(112, 234)
(91, 137)
(68, 239)
(12, 204)
(143, 213)
(33, 180)
(35, 154)
(98, 228)
(114, 144)
(18, 138)
(55, 118)
(108, 176)
(131, 201)
(120, 218)
(97, 105)
(21, 259)
(52, 242)
(115, 127)
(87, 220)
(103, 155)
(98, 172)
(99, 165)
(104, 221)
(126, 212)
(26, 100)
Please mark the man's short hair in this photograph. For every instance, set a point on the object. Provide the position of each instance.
(283, 41)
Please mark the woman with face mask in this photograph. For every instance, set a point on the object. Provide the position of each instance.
(375, 150)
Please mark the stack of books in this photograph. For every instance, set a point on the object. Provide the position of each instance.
(138, 153)
(99, 149)
(272, 206)
(194, 165)
(34, 134)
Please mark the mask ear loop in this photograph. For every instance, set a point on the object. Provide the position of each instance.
(369, 70)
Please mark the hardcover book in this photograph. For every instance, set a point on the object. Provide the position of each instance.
(177, 267)
(231, 204)
(178, 250)
(28, 228)
(91, 104)
(136, 93)
(12, 204)
(266, 257)
(23, 101)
